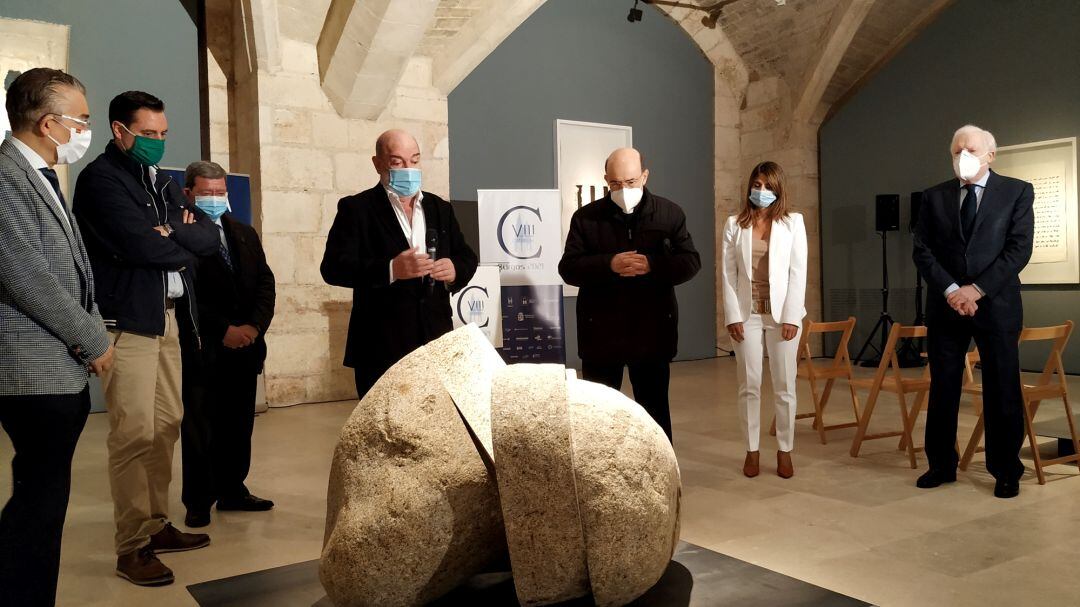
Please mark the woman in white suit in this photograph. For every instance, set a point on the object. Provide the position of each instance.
(764, 276)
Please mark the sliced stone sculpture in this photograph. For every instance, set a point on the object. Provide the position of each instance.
(628, 492)
(534, 467)
(450, 443)
(412, 508)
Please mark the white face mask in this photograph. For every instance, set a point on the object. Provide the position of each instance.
(74, 149)
(966, 165)
(627, 198)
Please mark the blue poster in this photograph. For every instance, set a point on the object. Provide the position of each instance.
(532, 324)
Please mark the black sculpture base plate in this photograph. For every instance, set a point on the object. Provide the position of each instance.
(696, 577)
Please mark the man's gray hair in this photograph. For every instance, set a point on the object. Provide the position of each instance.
(971, 129)
(204, 169)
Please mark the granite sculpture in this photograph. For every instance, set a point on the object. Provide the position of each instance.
(455, 461)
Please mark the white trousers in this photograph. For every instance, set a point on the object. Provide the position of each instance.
(761, 330)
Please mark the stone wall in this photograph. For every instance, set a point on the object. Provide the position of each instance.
(303, 157)
(271, 118)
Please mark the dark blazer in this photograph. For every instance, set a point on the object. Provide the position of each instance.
(244, 295)
(118, 210)
(390, 320)
(628, 319)
(1000, 247)
(49, 324)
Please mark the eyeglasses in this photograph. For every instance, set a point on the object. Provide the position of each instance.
(626, 183)
(83, 124)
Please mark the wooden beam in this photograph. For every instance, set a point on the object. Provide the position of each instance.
(902, 39)
(846, 20)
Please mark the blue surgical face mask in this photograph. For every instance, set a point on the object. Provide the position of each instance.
(762, 198)
(213, 206)
(404, 182)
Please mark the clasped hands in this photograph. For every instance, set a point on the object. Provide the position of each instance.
(963, 300)
(629, 264)
(239, 337)
(412, 263)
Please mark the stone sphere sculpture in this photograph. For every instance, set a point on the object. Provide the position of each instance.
(454, 461)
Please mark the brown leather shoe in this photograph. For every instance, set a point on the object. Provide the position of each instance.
(750, 467)
(171, 539)
(784, 469)
(142, 568)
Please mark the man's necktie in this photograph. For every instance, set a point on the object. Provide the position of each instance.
(50, 175)
(224, 249)
(968, 210)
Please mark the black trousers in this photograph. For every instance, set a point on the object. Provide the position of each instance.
(948, 342)
(215, 435)
(649, 379)
(44, 431)
(365, 378)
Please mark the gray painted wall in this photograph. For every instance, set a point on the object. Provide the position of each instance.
(581, 60)
(1010, 67)
(120, 45)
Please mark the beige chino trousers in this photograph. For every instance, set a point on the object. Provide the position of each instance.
(142, 394)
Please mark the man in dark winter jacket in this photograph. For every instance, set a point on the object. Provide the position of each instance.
(626, 252)
(143, 241)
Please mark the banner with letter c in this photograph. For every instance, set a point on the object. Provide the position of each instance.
(479, 303)
(520, 233)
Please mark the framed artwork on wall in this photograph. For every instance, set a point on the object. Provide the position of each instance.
(581, 148)
(1050, 166)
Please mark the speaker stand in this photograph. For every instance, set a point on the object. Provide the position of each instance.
(909, 354)
(885, 320)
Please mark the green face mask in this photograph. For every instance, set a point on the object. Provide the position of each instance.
(146, 150)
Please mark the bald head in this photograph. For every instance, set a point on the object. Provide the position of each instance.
(625, 167)
(396, 139)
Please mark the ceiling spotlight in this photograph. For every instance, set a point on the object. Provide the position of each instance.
(635, 13)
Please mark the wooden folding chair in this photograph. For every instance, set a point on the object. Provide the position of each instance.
(839, 367)
(975, 390)
(1046, 387)
(889, 378)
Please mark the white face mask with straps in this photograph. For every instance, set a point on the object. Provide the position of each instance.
(76, 146)
(967, 165)
(627, 198)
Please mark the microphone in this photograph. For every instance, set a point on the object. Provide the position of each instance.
(432, 246)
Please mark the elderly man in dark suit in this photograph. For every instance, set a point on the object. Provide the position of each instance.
(236, 294)
(973, 237)
(51, 333)
(378, 247)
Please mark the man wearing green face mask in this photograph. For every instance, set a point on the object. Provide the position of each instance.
(143, 240)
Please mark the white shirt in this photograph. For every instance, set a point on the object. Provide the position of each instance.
(980, 186)
(38, 163)
(414, 228)
(176, 284)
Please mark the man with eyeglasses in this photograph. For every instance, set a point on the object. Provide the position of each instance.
(626, 252)
(144, 240)
(51, 334)
(402, 253)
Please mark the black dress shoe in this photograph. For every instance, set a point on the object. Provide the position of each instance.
(197, 518)
(1006, 489)
(247, 503)
(934, 478)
